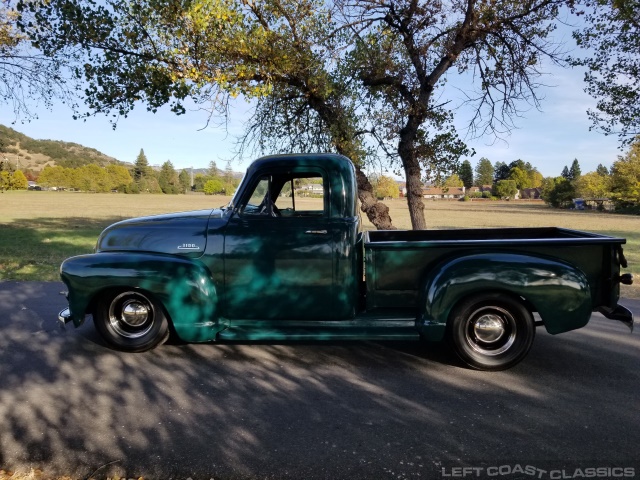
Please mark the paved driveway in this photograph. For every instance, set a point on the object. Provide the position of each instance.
(346, 410)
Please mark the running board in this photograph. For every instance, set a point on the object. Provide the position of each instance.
(301, 333)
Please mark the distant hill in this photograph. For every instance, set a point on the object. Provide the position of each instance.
(33, 154)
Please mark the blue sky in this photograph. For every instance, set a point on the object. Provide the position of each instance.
(549, 139)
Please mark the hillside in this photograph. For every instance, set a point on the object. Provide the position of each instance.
(34, 154)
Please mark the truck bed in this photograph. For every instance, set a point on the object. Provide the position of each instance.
(397, 261)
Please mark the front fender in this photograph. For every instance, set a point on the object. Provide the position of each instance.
(183, 286)
(557, 290)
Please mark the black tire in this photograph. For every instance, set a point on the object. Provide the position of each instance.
(130, 320)
(491, 331)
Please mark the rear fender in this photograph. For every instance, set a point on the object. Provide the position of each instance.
(183, 286)
(557, 290)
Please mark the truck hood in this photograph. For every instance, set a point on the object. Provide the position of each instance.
(183, 233)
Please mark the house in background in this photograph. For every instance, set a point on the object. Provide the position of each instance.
(443, 193)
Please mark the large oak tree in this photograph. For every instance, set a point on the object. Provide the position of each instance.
(326, 73)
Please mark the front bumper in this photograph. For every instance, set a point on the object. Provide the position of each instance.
(620, 313)
(64, 317)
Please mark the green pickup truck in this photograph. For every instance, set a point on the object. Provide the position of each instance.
(286, 260)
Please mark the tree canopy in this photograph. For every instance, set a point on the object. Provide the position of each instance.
(28, 78)
(611, 41)
(313, 68)
(466, 173)
(484, 172)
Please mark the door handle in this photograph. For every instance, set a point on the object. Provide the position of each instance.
(316, 232)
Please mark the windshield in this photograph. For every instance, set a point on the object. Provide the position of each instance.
(234, 200)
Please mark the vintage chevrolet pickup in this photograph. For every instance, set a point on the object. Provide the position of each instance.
(286, 260)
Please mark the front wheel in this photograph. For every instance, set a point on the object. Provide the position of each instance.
(491, 331)
(130, 320)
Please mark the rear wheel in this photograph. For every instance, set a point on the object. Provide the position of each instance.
(491, 331)
(130, 320)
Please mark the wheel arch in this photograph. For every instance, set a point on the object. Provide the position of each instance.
(183, 287)
(555, 289)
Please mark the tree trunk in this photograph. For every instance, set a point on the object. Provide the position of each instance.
(414, 197)
(377, 212)
(412, 171)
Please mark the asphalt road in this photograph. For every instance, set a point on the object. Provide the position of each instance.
(356, 410)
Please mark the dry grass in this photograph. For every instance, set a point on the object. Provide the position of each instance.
(40, 229)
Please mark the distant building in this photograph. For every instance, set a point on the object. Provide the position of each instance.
(435, 193)
(316, 188)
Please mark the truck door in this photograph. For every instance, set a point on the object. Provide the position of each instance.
(279, 249)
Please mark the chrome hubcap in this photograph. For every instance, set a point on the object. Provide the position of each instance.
(488, 328)
(135, 313)
(131, 315)
(491, 330)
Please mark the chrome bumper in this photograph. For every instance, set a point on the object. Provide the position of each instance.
(64, 317)
(620, 313)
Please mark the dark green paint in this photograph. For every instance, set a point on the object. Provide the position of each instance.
(559, 292)
(230, 274)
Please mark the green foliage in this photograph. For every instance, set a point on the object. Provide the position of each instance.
(593, 185)
(385, 187)
(88, 178)
(452, 181)
(602, 170)
(505, 189)
(168, 179)
(28, 80)
(501, 171)
(466, 174)
(317, 84)
(520, 177)
(149, 185)
(224, 183)
(484, 172)
(625, 179)
(185, 181)
(141, 167)
(5, 181)
(19, 181)
(558, 191)
(575, 171)
(214, 186)
(611, 42)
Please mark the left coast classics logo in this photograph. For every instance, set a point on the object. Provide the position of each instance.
(188, 246)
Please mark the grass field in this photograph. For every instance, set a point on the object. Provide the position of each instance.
(40, 229)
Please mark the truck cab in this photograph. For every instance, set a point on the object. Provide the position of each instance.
(290, 242)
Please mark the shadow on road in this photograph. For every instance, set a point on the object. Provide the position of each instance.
(356, 410)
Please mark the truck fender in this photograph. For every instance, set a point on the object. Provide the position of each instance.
(184, 287)
(557, 290)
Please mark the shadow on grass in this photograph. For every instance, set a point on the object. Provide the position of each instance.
(32, 249)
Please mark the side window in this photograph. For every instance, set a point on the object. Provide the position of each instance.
(287, 195)
(302, 196)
